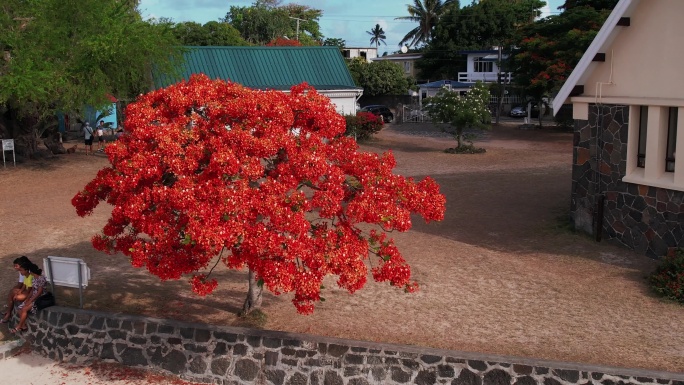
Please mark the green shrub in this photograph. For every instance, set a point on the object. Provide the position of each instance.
(363, 125)
(465, 149)
(668, 278)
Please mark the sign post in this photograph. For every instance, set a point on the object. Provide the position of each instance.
(69, 272)
(8, 145)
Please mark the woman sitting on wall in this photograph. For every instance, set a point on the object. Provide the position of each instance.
(29, 304)
(21, 290)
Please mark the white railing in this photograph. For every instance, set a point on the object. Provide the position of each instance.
(513, 99)
(486, 77)
(413, 114)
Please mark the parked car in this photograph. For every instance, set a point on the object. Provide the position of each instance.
(380, 110)
(518, 112)
(521, 111)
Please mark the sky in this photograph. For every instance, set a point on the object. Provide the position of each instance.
(345, 19)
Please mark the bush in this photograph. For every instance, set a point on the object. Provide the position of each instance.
(363, 125)
(668, 278)
(465, 149)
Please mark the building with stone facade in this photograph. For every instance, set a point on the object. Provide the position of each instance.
(626, 94)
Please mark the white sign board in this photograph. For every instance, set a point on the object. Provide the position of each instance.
(8, 145)
(64, 271)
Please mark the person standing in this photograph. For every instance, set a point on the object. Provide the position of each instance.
(100, 136)
(88, 132)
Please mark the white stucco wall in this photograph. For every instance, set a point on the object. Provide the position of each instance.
(470, 62)
(645, 60)
(344, 105)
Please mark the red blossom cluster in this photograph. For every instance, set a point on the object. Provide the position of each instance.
(208, 167)
(283, 42)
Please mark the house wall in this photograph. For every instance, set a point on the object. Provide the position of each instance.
(428, 92)
(368, 53)
(645, 218)
(644, 61)
(344, 105)
(228, 355)
(470, 63)
(407, 62)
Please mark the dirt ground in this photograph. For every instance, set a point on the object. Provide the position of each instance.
(501, 274)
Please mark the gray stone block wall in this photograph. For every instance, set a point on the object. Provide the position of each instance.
(647, 219)
(227, 355)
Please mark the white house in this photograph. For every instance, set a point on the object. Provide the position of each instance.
(428, 90)
(483, 65)
(368, 53)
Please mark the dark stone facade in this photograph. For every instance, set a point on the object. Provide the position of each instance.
(644, 218)
(226, 355)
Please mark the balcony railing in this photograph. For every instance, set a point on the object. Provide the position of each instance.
(486, 77)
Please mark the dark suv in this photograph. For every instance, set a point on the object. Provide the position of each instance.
(380, 110)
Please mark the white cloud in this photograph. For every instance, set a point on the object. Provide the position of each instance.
(545, 10)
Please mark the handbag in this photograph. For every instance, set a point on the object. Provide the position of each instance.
(45, 300)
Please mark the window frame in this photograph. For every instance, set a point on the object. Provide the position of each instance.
(653, 173)
(479, 64)
(671, 147)
(643, 136)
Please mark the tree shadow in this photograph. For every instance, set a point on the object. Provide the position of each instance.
(115, 285)
(522, 212)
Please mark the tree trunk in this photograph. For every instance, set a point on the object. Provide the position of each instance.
(459, 137)
(540, 116)
(21, 129)
(253, 300)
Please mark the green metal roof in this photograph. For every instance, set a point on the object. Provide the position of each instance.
(266, 67)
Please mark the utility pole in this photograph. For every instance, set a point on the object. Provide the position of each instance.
(298, 20)
(499, 102)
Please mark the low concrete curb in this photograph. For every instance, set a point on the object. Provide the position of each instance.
(11, 348)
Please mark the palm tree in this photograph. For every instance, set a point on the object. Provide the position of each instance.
(377, 36)
(426, 13)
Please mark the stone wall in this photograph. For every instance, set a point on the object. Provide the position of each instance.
(226, 355)
(646, 219)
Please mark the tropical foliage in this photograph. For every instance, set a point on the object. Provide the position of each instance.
(668, 278)
(380, 77)
(426, 13)
(211, 33)
(377, 36)
(211, 173)
(363, 125)
(283, 42)
(550, 48)
(334, 42)
(54, 61)
(460, 112)
(478, 26)
(596, 4)
(264, 22)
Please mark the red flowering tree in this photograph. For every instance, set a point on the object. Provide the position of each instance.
(283, 42)
(549, 49)
(363, 125)
(212, 172)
